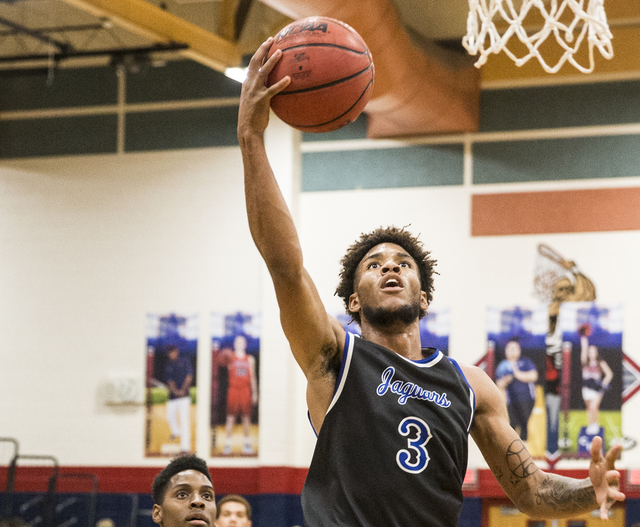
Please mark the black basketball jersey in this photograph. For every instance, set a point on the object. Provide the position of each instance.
(392, 450)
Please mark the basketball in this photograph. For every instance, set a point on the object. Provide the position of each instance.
(331, 72)
(504, 368)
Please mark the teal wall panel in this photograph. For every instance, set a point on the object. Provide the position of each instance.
(416, 166)
(355, 130)
(560, 106)
(179, 80)
(194, 128)
(69, 87)
(556, 159)
(94, 134)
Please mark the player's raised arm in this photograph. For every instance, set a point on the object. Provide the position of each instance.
(537, 493)
(312, 334)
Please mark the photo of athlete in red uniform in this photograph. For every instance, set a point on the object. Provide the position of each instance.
(242, 393)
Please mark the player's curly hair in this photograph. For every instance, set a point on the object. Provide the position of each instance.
(357, 251)
(183, 462)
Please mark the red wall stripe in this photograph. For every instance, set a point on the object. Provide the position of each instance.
(247, 481)
(258, 480)
(588, 210)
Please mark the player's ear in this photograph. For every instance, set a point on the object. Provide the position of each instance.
(156, 514)
(424, 303)
(354, 303)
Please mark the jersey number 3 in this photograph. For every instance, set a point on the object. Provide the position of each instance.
(415, 458)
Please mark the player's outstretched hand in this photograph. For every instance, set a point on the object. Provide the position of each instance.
(604, 477)
(255, 98)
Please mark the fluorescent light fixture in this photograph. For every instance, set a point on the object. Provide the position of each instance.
(237, 74)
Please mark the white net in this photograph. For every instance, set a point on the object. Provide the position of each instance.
(548, 270)
(570, 22)
(545, 276)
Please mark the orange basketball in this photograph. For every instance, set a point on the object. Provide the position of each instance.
(331, 72)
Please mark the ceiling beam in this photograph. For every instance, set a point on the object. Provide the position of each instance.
(227, 23)
(153, 23)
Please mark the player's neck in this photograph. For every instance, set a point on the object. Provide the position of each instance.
(404, 339)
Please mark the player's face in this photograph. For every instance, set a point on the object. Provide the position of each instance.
(388, 286)
(233, 514)
(189, 501)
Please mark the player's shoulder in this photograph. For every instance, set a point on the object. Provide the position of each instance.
(477, 378)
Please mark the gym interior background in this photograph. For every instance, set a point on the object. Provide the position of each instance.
(121, 195)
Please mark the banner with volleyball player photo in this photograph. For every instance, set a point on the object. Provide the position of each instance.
(172, 345)
(592, 377)
(235, 359)
(515, 360)
(435, 328)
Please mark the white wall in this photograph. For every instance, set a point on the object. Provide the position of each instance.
(89, 245)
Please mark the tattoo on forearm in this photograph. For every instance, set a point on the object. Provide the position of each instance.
(565, 495)
(519, 462)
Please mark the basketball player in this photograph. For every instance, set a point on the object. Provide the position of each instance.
(183, 494)
(392, 419)
(233, 511)
(242, 393)
(179, 376)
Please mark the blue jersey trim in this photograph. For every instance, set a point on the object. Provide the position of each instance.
(312, 427)
(430, 358)
(472, 394)
(345, 351)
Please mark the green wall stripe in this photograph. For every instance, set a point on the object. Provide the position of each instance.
(69, 87)
(194, 128)
(61, 136)
(416, 166)
(556, 159)
(179, 80)
(560, 106)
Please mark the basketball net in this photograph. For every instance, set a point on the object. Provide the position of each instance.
(546, 273)
(484, 37)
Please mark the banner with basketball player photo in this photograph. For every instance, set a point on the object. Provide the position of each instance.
(515, 360)
(435, 328)
(235, 360)
(591, 377)
(172, 345)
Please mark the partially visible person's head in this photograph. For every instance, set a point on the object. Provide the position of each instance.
(183, 494)
(512, 350)
(593, 353)
(356, 252)
(233, 511)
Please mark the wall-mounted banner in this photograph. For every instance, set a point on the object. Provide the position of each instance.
(172, 345)
(235, 360)
(516, 362)
(435, 328)
(592, 376)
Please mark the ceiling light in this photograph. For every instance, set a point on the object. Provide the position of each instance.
(237, 74)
